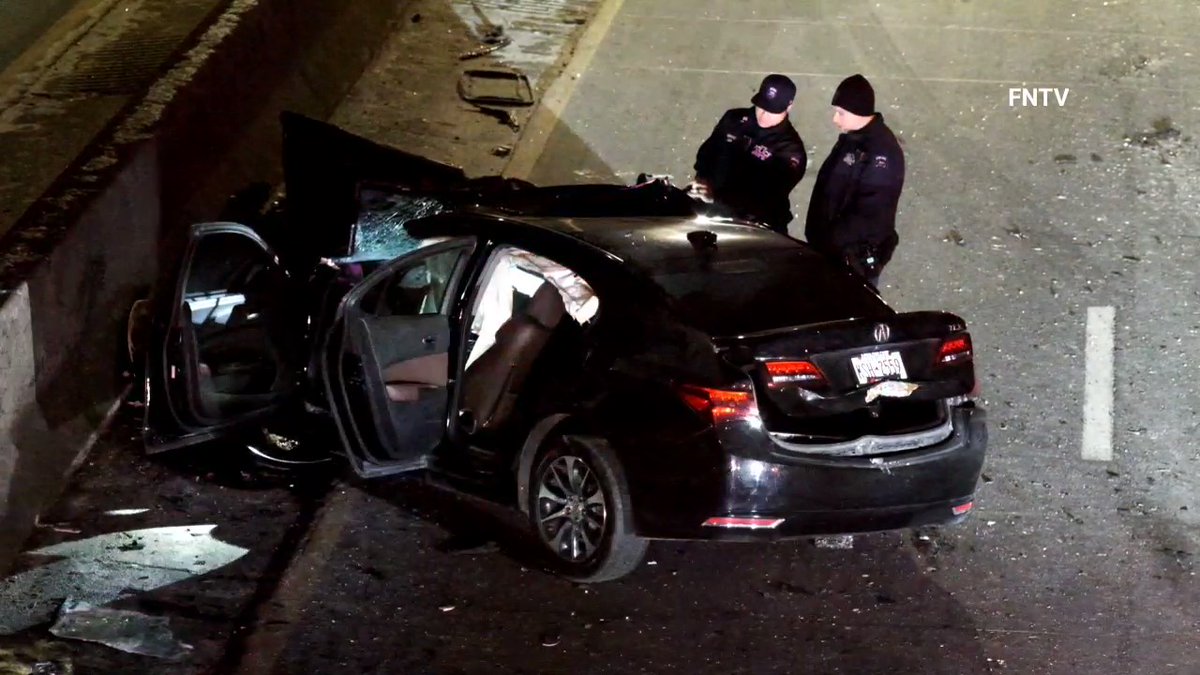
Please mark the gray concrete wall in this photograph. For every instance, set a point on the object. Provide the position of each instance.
(72, 267)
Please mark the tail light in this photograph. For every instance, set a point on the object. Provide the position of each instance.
(955, 350)
(803, 373)
(720, 405)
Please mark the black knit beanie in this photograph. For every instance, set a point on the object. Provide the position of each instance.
(855, 95)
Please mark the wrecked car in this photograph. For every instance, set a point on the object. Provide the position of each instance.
(604, 358)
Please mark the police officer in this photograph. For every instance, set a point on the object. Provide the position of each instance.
(754, 157)
(852, 212)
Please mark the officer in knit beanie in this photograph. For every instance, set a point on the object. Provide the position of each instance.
(852, 211)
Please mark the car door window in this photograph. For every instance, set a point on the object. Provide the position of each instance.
(417, 288)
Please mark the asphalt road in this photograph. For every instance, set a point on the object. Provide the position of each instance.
(1023, 220)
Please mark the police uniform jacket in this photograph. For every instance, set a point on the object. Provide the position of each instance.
(750, 169)
(856, 193)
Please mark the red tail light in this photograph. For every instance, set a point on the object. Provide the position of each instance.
(803, 373)
(955, 350)
(721, 405)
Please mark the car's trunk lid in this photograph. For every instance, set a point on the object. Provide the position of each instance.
(844, 379)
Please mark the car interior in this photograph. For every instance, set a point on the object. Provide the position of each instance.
(523, 331)
(522, 321)
(236, 345)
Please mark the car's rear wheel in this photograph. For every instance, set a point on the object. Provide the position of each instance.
(580, 508)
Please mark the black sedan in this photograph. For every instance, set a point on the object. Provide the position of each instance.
(605, 358)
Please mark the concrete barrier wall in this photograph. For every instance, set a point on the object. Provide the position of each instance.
(78, 259)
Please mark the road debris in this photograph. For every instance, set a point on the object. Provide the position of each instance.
(40, 658)
(102, 569)
(842, 541)
(124, 630)
(1072, 517)
(125, 512)
(494, 39)
(551, 639)
(954, 237)
(505, 117)
(56, 527)
(495, 86)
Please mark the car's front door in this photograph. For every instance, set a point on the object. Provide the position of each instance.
(388, 359)
(228, 340)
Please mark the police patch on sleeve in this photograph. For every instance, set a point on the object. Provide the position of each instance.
(881, 161)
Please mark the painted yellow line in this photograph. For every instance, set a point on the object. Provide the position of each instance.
(545, 117)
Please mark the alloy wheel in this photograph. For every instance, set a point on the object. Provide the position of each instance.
(571, 509)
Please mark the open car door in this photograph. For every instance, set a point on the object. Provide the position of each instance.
(387, 367)
(228, 341)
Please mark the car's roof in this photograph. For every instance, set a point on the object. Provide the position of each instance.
(642, 239)
(648, 239)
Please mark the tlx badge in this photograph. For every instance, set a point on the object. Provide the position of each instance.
(761, 152)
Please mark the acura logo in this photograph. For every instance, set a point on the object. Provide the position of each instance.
(882, 332)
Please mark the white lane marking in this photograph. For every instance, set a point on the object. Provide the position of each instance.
(545, 118)
(1098, 385)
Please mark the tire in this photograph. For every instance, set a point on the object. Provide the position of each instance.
(591, 539)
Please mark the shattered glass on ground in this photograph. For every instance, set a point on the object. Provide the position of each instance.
(131, 632)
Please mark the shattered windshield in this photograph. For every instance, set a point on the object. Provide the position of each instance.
(379, 232)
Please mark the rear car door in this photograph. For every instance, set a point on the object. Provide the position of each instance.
(228, 341)
(388, 358)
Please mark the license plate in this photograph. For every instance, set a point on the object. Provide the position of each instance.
(878, 366)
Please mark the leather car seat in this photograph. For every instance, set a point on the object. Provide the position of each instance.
(493, 382)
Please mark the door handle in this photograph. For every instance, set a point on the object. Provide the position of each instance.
(429, 339)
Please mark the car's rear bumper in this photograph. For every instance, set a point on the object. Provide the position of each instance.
(773, 495)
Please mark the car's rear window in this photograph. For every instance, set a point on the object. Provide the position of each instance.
(747, 291)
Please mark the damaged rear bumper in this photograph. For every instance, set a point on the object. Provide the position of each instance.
(770, 492)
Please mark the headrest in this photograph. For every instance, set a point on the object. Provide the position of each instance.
(546, 307)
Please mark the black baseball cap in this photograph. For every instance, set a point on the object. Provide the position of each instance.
(775, 93)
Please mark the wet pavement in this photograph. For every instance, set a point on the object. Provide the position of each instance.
(1020, 219)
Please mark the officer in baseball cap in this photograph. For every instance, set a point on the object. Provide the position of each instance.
(754, 158)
